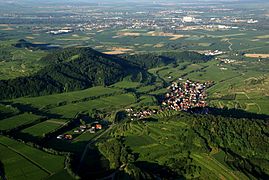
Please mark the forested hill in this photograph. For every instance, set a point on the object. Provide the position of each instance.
(79, 68)
(72, 69)
(151, 60)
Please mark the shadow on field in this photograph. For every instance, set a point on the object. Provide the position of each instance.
(236, 113)
(93, 166)
(232, 113)
(2, 171)
(150, 119)
(162, 172)
(31, 109)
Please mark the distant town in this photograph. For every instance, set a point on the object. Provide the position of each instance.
(183, 16)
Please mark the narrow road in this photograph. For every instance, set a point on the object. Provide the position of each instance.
(214, 166)
(92, 141)
(230, 46)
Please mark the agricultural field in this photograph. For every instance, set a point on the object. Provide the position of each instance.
(120, 41)
(18, 120)
(105, 104)
(41, 129)
(24, 162)
(257, 55)
(66, 98)
(17, 167)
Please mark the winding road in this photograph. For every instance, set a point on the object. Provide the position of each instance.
(230, 46)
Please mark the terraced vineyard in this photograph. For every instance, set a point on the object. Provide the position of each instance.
(179, 137)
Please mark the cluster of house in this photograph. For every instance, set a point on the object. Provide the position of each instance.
(213, 53)
(186, 95)
(60, 31)
(92, 128)
(65, 136)
(140, 114)
(227, 61)
(182, 96)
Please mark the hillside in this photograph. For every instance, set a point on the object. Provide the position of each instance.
(79, 68)
(189, 146)
(152, 60)
(72, 69)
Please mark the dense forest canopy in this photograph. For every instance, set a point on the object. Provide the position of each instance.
(151, 60)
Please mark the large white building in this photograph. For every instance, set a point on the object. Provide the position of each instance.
(188, 19)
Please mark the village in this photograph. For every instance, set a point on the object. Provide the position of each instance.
(140, 114)
(185, 95)
(92, 128)
(181, 96)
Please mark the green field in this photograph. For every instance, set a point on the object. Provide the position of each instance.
(243, 77)
(19, 120)
(18, 167)
(41, 129)
(215, 167)
(65, 98)
(24, 162)
(105, 104)
(126, 84)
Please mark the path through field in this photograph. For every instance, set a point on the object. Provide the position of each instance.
(214, 166)
(90, 143)
(252, 102)
(57, 122)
